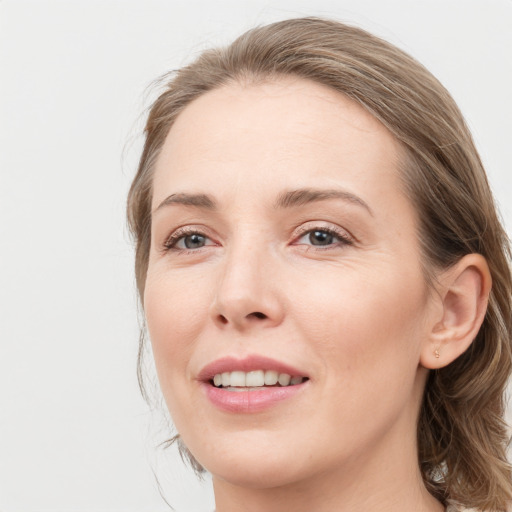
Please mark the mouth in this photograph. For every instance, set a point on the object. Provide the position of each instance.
(252, 384)
(255, 380)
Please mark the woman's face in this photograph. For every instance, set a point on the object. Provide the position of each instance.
(283, 246)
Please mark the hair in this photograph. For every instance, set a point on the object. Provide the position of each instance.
(462, 435)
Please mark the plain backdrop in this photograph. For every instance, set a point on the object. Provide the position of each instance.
(75, 434)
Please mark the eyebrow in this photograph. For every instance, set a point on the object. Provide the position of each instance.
(286, 199)
(300, 197)
(202, 201)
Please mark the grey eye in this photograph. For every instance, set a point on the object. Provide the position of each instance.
(194, 241)
(318, 237)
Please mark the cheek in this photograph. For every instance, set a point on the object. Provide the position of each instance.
(368, 324)
(175, 315)
(367, 334)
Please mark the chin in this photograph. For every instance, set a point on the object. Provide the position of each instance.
(259, 476)
(252, 464)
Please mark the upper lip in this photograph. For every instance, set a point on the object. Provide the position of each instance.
(246, 364)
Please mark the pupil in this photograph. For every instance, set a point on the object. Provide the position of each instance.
(194, 241)
(320, 238)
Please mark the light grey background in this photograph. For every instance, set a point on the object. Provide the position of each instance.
(74, 433)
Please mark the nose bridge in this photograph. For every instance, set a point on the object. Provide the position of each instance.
(246, 290)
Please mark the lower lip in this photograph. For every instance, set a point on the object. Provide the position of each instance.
(250, 401)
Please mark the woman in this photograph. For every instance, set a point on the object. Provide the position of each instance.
(324, 278)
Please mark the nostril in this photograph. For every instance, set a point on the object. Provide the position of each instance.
(257, 314)
(223, 319)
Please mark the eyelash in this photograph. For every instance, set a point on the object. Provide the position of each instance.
(341, 235)
(171, 242)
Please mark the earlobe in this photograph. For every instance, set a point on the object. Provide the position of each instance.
(464, 291)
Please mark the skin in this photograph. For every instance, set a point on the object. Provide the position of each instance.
(356, 315)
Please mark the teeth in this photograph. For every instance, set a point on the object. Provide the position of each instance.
(284, 379)
(237, 379)
(254, 379)
(233, 381)
(271, 377)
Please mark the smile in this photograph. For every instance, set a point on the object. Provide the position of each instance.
(250, 385)
(254, 380)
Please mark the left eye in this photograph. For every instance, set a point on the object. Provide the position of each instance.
(321, 237)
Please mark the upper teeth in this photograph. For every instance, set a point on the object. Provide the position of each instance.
(256, 378)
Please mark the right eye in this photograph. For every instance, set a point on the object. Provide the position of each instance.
(187, 241)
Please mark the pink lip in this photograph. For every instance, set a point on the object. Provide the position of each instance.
(248, 401)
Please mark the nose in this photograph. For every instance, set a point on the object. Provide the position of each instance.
(248, 294)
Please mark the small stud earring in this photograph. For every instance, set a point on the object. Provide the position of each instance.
(436, 353)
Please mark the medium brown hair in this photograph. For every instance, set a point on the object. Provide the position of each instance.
(462, 436)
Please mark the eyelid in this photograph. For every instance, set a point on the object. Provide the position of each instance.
(181, 232)
(345, 237)
(323, 226)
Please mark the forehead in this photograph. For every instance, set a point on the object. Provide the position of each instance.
(268, 134)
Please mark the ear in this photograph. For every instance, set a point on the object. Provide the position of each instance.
(464, 293)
